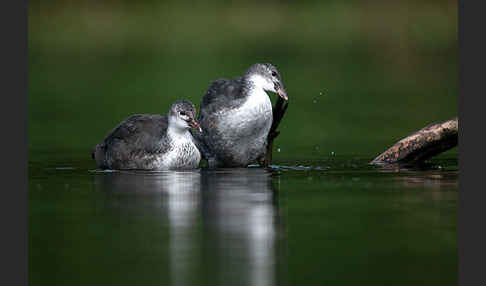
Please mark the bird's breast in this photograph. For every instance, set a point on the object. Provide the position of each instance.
(182, 154)
(252, 118)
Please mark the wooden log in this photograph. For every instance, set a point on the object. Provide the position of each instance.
(422, 144)
(278, 113)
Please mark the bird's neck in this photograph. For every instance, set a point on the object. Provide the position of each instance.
(175, 131)
(257, 81)
(256, 103)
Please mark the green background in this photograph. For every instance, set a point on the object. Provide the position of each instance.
(360, 74)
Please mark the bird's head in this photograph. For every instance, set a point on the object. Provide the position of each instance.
(266, 76)
(182, 116)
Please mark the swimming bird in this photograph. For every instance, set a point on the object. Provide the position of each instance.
(236, 116)
(152, 141)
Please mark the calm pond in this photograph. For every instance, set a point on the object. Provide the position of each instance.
(337, 221)
(320, 216)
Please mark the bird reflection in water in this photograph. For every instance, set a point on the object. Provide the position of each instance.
(239, 210)
(222, 224)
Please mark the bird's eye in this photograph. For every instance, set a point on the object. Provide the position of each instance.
(274, 74)
(182, 113)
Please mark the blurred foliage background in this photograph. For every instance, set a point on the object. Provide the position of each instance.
(360, 74)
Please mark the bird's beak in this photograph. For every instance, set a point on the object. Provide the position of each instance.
(193, 123)
(281, 91)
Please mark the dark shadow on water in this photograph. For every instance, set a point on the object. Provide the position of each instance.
(223, 225)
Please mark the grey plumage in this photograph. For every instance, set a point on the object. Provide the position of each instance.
(236, 115)
(143, 141)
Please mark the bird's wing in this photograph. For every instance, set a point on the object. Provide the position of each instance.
(140, 133)
(222, 93)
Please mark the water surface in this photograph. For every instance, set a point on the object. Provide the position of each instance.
(337, 221)
(320, 216)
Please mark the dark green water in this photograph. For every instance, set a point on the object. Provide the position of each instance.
(360, 75)
(332, 222)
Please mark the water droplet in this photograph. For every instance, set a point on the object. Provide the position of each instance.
(332, 153)
(278, 150)
(314, 101)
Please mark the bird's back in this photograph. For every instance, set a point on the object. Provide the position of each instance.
(222, 94)
(130, 144)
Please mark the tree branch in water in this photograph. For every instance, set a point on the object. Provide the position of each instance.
(422, 144)
(278, 113)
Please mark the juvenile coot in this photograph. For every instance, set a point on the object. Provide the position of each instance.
(152, 141)
(236, 116)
